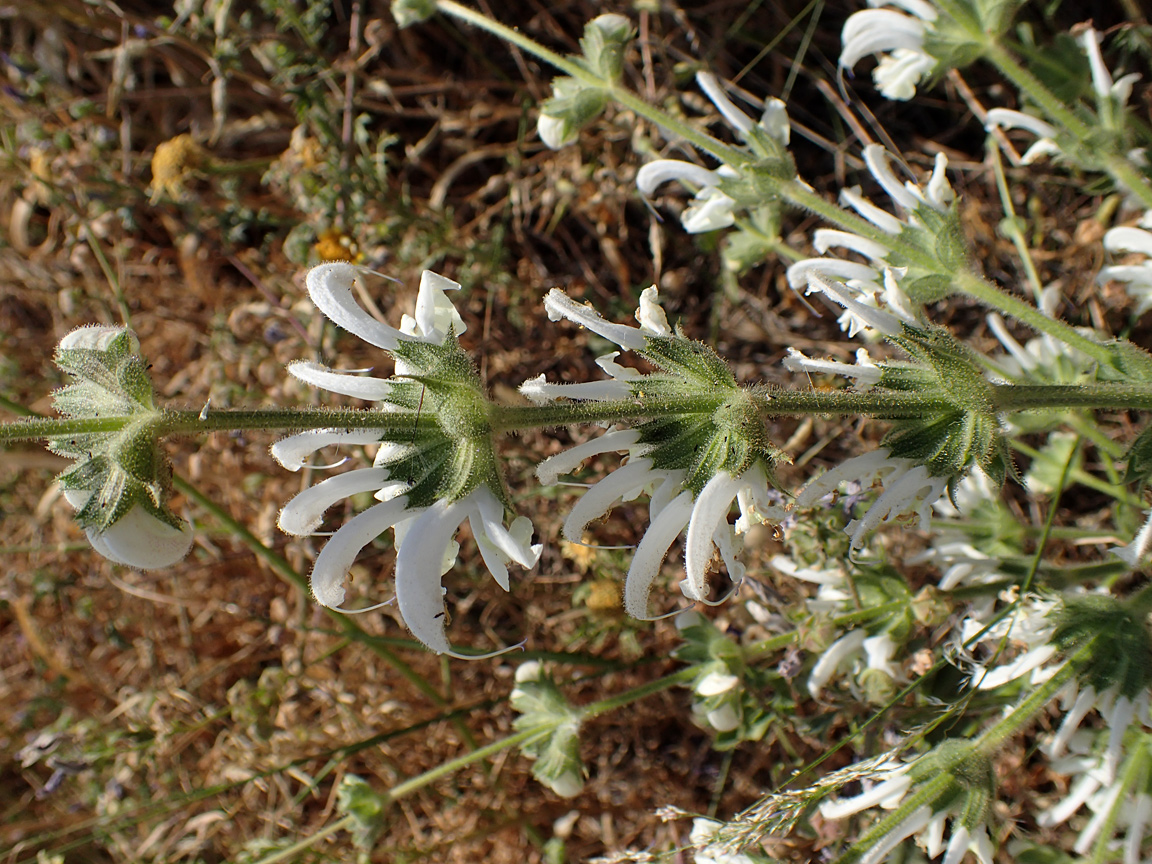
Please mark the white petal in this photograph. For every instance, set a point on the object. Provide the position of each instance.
(836, 268)
(660, 171)
(662, 532)
(346, 383)
(559, 305)
(775, 120)
(712, 506)
(1006, 118)
(933, 836)
(898, 73)
(915, 490)
(419, 595)
(829, 662)
(555, 132)
(886, 222)
(621, 484)
(715, 683)
(1101, 78)
(1128, 240)
(914, 823)
(612, 441)
(1135, 837)
(876, 158)
(939, 191)
(957, 845)
(291, 452)
(304, 513)
(869, 316)
(608, 363)
(710, 210)
(435, 313)
(140, 540)
(875, 30)
(889, 788)
(739, 121)
(339, 553)
(651, 315)
(330, 287)
(541, 392)
(827, 238)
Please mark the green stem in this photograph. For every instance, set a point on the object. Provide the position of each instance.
(996, 298)
(1023, 714)
(288, 853)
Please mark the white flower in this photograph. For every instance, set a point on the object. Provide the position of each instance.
(423, 534)
(652, 323)
(137, 539)
(1118, 712)
(1138, 277)
(908, 488)
(897, 39)
(1045, 145)
(711, 208)
(97, 337)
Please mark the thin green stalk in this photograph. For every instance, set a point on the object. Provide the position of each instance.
(290, 852)
(997, 298)
(1011, 225)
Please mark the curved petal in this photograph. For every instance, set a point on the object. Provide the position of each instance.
(291, 452)
(799, 272)
(540, 392)
(330, 287)
(827, 238)
(345, 383)
(419, 594)
(140, 540)
(651, 314)
(612, 441)
(712, 505)
(1006, 118)
(339, 553)
(1128, 240)
(883, 220)
(661, 171)
(621, 484)
(662, 532)
(736, 118)
(876, 158)
(304, 513)
(875, 30)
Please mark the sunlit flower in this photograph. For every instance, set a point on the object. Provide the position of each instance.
(1045, 144)
(898, 41)
(403, 482)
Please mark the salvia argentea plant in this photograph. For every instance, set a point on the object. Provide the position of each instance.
(1026, 636)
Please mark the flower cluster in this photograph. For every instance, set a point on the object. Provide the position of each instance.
(707, 451)
(431, 472)
(897, 38)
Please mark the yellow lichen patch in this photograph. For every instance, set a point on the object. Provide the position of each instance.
(173, 161)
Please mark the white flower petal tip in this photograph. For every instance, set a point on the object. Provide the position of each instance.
(612, 441)
(555, 132)
(303, 514)
(143, 542)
